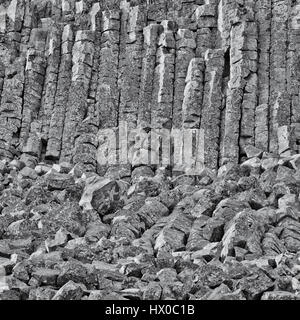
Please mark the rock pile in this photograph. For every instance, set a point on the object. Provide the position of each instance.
(74, 227)
(65, 234)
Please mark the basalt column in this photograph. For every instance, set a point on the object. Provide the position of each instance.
(61, 98)
(279, 101)
(83, 55)
(34, 81)
(185, 52)
(212, 104)
(293, 84)
(164, 75)
(241, 100)
(263, 16)
(131, 65)
(107, 94)
(74, 71)
(86, 143)
(151, 34)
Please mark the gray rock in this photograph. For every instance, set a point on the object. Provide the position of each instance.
(209, 275)
(28, 173)
(245, 231)
(279, 295)
(58, 181)
(69, 291)
(253, 152)
(152, 292)
(77, 272)
(103, 195)
(46, 276)
(42, 293)
(254, 286)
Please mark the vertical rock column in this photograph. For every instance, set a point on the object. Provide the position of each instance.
(3, 54)
(212, 105)
(249, 69)
(240, 113)
(263, 17)
(35, 146)
(83, 55)
(34, 81)
(27, 23)
(279, 99)
(11, 76)
(95, 18)
(14, 24)
(294, 62)
(151, 34)
(2, 76)
(192, 150)
(61, 97)
(157, 11)
(86, 143)
(163, 93)
(293, 65)
(207, 26)
(185, 52)
(53, 54)
(229, 13)
(130, 67)
(11, 107)
(193, 95)
(107, 97)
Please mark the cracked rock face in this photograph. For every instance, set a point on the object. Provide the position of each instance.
(64, 237)
(81, 220)
(71, 68)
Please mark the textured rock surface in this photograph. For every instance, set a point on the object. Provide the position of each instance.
(72, 227)
(68, 69)
(70, 237)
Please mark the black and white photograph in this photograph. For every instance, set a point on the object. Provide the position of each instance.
(149, 154)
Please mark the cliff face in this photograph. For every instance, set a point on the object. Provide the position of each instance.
(69, 68)
(71, 73)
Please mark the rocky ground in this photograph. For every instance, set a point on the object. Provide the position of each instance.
(68, 235)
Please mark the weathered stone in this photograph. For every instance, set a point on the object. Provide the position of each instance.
(103, 195)
(70, 291)
(209, 252)
(209, 275)
(164, 75)
(214, 230)
(253, 152)
(58, 181)
(193, 93)
(153, 291)
(28, 173)
(205, 205)
(151, 212)
(212, 106)
(245, 231)
(279, 295)
(96, 230)
(46, 276)
(42, 293)
(254, 286)
(149, 150)
(77, 272)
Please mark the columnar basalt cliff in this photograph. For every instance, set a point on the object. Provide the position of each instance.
(98, 101)
(70, 68)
